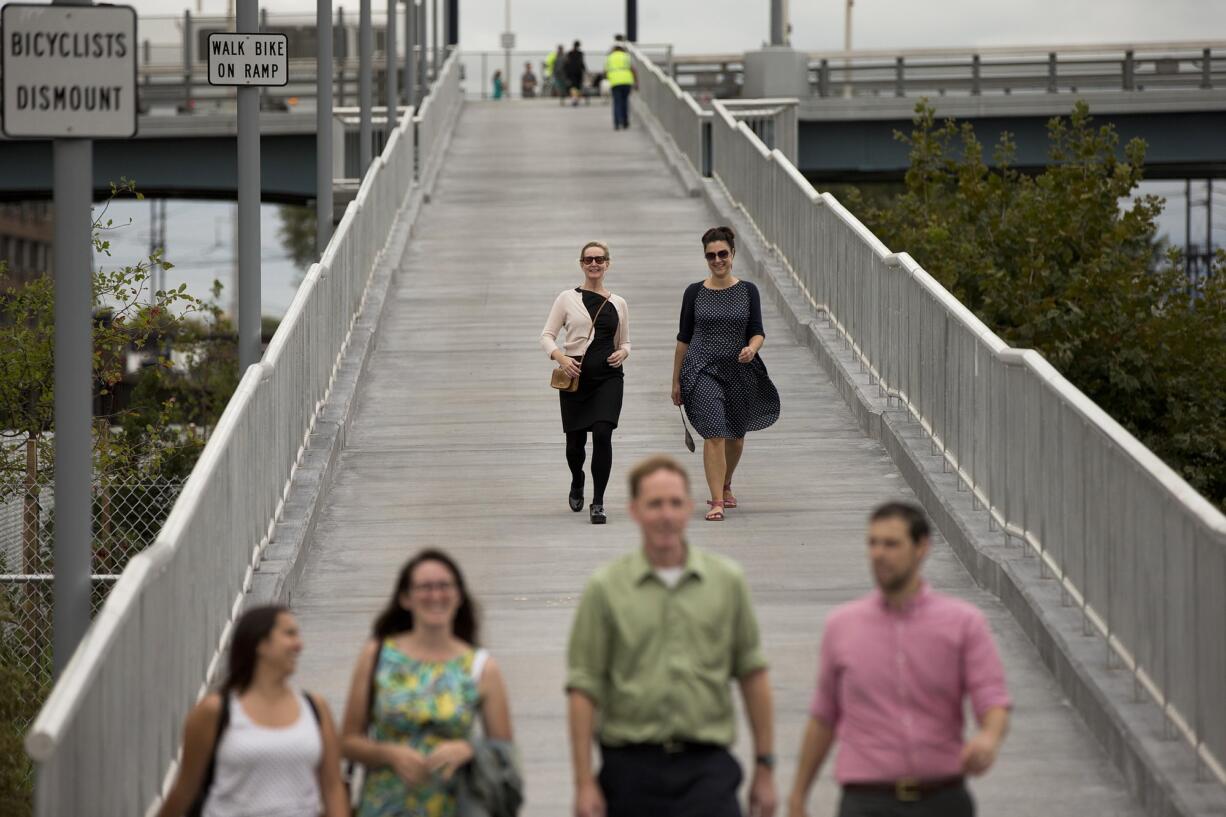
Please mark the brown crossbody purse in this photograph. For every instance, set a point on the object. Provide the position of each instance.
(558, 378)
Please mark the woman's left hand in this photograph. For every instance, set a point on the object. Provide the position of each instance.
(746, 355)
(615, 359)
(448, 757)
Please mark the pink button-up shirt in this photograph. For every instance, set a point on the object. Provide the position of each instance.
(891, 684)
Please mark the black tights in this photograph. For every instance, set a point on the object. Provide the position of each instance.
(602, 457)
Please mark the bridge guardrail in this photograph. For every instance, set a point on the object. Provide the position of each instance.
(1134, 547)
(110, 728)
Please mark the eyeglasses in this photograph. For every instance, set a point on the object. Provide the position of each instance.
(594, 259)
(432, 587)
(721, 255)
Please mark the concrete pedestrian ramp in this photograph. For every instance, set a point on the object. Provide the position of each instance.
(456, 443)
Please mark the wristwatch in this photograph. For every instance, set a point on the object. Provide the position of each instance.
(767, 761)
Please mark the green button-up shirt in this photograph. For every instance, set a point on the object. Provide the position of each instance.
(658, 661)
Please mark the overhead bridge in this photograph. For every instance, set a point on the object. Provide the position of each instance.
(403, 403)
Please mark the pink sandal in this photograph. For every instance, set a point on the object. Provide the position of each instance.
(716, 514)
(729, 499)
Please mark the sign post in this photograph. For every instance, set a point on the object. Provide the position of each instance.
(248, 60)
(323, 125)
(70, 74)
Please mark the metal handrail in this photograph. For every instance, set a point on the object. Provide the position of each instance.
(156, 642)
(1139, 552)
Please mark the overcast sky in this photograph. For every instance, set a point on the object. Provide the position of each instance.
(705, 26)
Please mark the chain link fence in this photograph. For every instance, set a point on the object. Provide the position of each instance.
(127, 518)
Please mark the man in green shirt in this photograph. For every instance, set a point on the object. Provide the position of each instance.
(659, 635)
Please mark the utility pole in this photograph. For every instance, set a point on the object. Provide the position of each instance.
(847, 47)
(632, 21)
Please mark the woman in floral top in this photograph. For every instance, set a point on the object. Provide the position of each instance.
(418, 686)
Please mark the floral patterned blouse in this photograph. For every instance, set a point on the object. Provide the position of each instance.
(421, 704)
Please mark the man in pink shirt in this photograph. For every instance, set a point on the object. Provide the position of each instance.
(896, 666)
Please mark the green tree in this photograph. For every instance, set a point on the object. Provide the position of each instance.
(1053, 262)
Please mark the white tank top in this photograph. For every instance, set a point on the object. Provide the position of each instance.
(267, 772)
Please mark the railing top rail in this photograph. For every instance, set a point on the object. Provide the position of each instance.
(967, 52)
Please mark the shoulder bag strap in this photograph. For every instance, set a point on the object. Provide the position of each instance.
(597, 315)
(196, 809)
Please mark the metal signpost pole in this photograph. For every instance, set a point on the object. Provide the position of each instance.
(423, 77)
(435, 62)
(410, 51)
(365, 47)
(391, 71)
(248, 22)
(73, 178)
(632, 21)
(323, 125)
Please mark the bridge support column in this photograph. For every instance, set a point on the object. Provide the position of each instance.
(774, 72)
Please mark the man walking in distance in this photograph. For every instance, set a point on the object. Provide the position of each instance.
(659, 634)
(895, 667)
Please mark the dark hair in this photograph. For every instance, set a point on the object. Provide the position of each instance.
(719, 234)
(395, 619)
(908, 512)
(576, 45)
(251, 628)
(649, 466)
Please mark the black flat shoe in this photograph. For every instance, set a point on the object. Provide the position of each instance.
(576, 497)
(596, 512)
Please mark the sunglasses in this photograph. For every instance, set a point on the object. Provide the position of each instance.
(721, 255)
(594, 259)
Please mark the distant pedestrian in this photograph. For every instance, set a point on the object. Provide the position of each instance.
(575, 69)
(419, 685)
(717, 373)
(619, 71)
(659, 634)
(896, 666)
(597, 327)
(527, 83)
(555, 73)
(498, 85)
(259, 745)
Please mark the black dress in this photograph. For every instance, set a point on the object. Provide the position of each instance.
(723, 397)
(599, 397)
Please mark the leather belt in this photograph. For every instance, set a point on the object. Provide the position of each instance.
(668, 747)
(907, 789)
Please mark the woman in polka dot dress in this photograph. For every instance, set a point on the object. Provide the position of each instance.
(717, 374)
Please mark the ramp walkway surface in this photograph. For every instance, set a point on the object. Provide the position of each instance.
(457, 443)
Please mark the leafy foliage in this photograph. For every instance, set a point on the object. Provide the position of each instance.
(1053, 262)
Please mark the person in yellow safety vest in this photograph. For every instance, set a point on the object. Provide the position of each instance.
(553, 73)
(619, 71)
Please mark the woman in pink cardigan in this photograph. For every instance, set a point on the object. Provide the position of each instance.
(597, 342)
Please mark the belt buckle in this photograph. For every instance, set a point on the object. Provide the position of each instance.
(907, 790)
(673, 746)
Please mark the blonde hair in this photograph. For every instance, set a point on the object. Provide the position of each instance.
(591, 244)
(649, 466)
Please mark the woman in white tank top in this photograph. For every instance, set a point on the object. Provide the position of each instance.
(259, 747)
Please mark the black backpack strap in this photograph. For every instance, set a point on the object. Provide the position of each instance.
(310, 699)
(223, 722)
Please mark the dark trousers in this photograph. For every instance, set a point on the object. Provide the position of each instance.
(621, 106)
(952, 802)
(646, 781)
